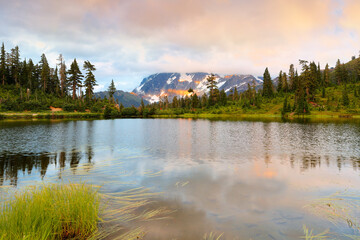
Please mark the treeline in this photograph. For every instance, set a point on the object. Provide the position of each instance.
(29, 86)
(25, 85)
(298, 92)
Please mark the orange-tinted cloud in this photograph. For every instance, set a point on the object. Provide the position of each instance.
(145, 36)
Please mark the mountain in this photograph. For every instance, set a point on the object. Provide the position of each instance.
(127, 99)
(178, 84)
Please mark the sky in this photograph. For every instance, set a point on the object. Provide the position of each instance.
(128, 40)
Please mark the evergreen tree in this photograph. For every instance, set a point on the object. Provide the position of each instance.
(3, 65)
(268, 89)
(285, 106)
(15, 65)
(222, 98)
(285, 82)
(339, 72)
(55, 82)
(327, 75)
(90, 81)
(311, 81)
(23, 73)
(292, 77)
(175, 102)
(31, 82)
(45, 72)
(302, 106)
(75, 78)
(194, 101)
(112, 90)
(213, 89)
(280, 83)
(235, 94)
(62, 72)
(320, 81)
(345, 97)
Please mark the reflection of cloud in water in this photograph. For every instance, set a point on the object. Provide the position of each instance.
(248, 179)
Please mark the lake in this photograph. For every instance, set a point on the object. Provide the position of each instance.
(245, 179)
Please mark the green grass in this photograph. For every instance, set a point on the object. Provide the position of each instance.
(50, 115)
(51, 211)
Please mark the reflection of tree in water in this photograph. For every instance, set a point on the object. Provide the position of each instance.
(309, 161)
(13, 164)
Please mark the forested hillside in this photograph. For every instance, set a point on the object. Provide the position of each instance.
(29, 86)
(311, 89)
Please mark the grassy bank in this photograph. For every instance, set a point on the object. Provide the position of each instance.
(50, 115)
(269, 117)
(53, 211)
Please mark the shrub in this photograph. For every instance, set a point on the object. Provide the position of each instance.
(69, 107)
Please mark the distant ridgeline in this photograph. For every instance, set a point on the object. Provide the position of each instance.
(177, 84)
(324, 91)
(28, 86)
(125, 98)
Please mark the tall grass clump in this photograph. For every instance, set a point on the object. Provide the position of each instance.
(51, 211)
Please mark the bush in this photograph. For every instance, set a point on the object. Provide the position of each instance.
(111, 112)
(130, 112)
(68, 107)
(97, 107)
(34, 105)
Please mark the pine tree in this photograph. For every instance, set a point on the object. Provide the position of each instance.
(112, 90)
(90, 80)
(23, 73)
(285, 106)
(338, 72)
(320, 81)
(31, 82)
(222, 98)
(327, 75)
(62, 72)
(45, 72)
(285, 82)
(194, 101)
(75, 78)
(55, 82)
(279, 88)
(3, 65)
(213, 89)
(236, 94)
(15, 65)
(268, 89)
(175, 102)
(292, 77)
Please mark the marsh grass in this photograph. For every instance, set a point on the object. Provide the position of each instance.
(75, 211)
(212, 236)
(310, 235)
(51, 211)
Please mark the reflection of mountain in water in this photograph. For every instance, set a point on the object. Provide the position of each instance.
(14, 164)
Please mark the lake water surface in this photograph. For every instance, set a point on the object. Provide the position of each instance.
(248, 180)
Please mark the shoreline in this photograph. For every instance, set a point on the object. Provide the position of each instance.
(317, 116)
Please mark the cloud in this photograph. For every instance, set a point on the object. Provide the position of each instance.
(130, 39)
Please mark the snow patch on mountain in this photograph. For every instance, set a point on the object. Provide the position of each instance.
(177, 84)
